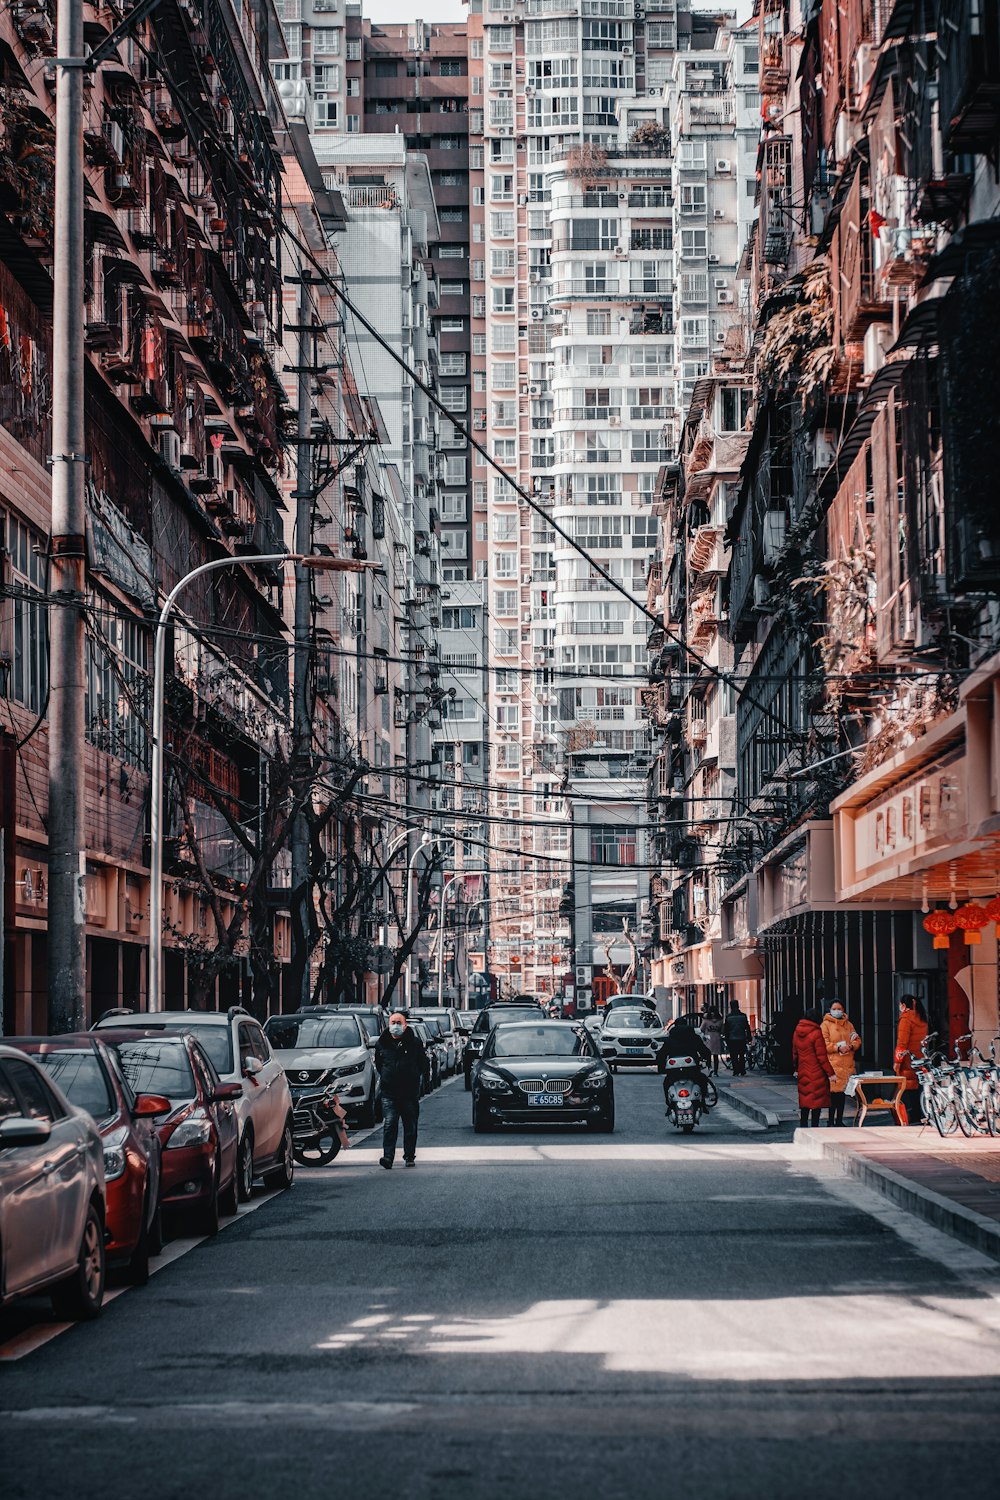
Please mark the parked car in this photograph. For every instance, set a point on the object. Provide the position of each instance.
(503, 1010)
(541, 1071)
(326, 1050)
(373, 1018)
(52, 1199)
(198, 1128)
(435, 1051)
(240, 1053)
(90, 1075)
(632, 1037)
(439, 1024)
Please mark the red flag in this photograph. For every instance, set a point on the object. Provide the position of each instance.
(876, 221)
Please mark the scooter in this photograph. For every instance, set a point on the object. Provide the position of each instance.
(318, 1128)
(687, 1093)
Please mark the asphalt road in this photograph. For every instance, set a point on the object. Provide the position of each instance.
(534, 1314)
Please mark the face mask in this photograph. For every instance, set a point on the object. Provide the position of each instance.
(837, 1014)
(397, 1028)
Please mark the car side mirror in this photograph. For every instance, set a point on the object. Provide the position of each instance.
(19, 1130)
(226, 1092)
(252, 1066)
(151, 1104)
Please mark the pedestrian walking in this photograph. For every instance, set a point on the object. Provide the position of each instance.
(813, 1068)
(910, 1034)
(711, 1030)
(736, 1030)
(842, 1043)
(401, 1061)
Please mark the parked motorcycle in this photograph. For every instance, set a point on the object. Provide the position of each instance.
(318, 1126)
(687, 1092)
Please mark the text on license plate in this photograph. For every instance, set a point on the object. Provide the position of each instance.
(635, 1051)
(545, 1099)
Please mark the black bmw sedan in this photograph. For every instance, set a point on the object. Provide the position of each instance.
(541, 1070)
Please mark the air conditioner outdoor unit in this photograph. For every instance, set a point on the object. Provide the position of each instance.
(722, 164)
(720, 213)
(538, 312)
(529, 91)
(170, 449)
(761, 592)
(713, 260)
(534, 390)
(621, 253)
(626, 52)
(720, 283)
(725, 297)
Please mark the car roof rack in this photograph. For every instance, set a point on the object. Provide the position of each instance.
(239, 1010)
(119, 1010)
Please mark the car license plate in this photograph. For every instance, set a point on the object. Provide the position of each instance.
(545, 1099)
(636, 1051)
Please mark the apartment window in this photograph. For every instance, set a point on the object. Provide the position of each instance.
(326, 77)
(29, 666)
(476, 123)
(459, 708)
(479, 495)
(353, 124)
(509, 751)
(507, 680)
(503, 299)
(605, 36)
(501, 151)
(452, 325)
(505, 603)
(502, 187)
(116, 689)
(293, 40)
(455, 397)
(453, 288)
(660, 34)
(693, 369)
(693, 198)
(478, 195)
(327, 113)
(504, 527)
(692, 156)
(476, 46)
(598, 322)
(505, 643)
(505, 451)
(479, 307)
(477, 86)
(593, 234)
(461, 618)
(505, 565)
(504, 375)
(694, 242)
(735, 408)
(450, 179)
(502, 226)
(694, 332)
(452, 215)
(610, 845)
(454, 470)
(353, 51)
(452, 252)
(479, 348)
(500, 38)
(451, 67)
(505, 414)
(479, 270)
(503, 338)
(694, 287)
(508, 715)
(354, 88)
(501, 75)
(326, 39)
(455, 541)
(452, 362)
(449, 142)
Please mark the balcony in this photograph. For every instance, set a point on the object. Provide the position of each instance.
(969, 75)
(704, 550)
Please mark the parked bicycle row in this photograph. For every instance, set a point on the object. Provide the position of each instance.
(961, 1093)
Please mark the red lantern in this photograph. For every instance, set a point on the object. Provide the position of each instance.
(942, 924)
(972, 918)
(993, 909)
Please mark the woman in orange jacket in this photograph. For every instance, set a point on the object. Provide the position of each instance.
(842, 1043)
(911, 1033)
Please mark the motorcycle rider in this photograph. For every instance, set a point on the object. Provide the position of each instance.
(683, 1041)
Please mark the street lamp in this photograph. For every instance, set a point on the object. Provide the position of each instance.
(442, 911)
(154, 979)
(422, 848)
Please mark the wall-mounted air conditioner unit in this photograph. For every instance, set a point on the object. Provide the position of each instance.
(719, 213)
(713, 260)
(723, 164)
(170, 449)
(724, 297)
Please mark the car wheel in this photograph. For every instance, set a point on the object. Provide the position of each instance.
(244, 1167)
(282, 1176)
(229, 1196)
(481, 1122)
(156, 1231)
(81, 1294)
(206, 1215)
(137, 1270)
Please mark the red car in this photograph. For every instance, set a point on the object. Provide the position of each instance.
(89, 1074)
(197, 1125)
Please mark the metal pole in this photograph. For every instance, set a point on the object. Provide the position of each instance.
(301, 726)
(67, 636)
(421, 848)
(440, 964)
(154, 979)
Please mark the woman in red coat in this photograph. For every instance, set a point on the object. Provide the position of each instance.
(813, 1067)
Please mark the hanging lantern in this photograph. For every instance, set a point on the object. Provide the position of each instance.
(941, 924)
(972, 918)
(993, 909)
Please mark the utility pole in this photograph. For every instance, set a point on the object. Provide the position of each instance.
(66, 853)
(301, 720)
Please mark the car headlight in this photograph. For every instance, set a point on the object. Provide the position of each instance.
(489, 1080)
(196, 1130)
(595, 1080)
(114, 1153)
(350, 1071)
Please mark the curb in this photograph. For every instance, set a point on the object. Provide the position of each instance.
(765, 1117)
(953, 1218)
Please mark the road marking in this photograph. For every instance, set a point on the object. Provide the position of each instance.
(40, 1334)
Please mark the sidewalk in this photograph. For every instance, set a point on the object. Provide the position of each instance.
(953, 1183)
(770, 1099)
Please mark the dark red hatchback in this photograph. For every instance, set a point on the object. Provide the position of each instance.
(89, 1074)
(197, 1126)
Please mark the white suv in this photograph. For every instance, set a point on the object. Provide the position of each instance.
(241, 1053)
(325, 1048)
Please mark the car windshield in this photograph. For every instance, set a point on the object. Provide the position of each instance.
(540, 1041)
(214, 1039)
(490, 1018)
(291, 1033)
(155, 1067)
(634, 1020)
(81, 1078)
(434, 1024)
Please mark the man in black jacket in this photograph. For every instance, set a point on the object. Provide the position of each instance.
(402, 1066)
(736, 1030)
